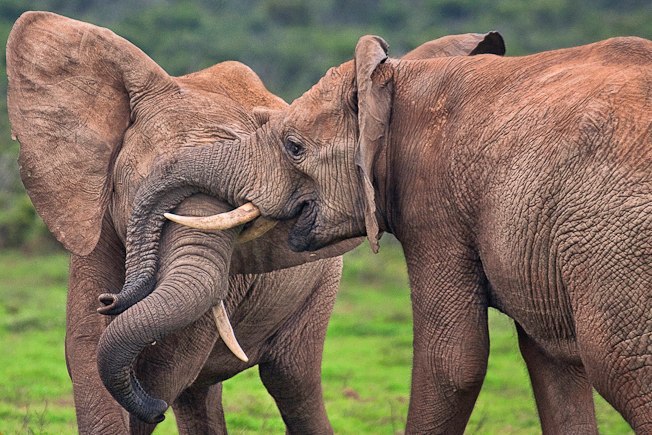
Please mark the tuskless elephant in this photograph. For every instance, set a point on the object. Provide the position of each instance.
(95, 116)
(521, 183)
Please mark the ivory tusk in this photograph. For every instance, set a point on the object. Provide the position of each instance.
(258, 227)
(226, 331)
(222, 221)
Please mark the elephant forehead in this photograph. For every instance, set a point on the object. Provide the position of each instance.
(187, 118)
(329, 89)
(181, 120)
(321, 111)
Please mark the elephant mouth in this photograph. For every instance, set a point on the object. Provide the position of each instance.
(302, 236)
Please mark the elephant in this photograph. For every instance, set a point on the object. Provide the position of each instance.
(518, 183)
(94, 116)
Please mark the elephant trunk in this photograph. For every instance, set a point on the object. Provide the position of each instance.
(218, 169)
(193, 279)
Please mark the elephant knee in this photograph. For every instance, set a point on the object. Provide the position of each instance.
(468, 376)
(462, 371)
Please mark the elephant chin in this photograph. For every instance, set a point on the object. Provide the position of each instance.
(303, 236)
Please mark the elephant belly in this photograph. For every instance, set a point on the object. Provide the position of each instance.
(264, 307)
(222, 365)
(529, 288)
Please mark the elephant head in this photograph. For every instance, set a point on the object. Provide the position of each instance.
(287, 179)
(94, 115)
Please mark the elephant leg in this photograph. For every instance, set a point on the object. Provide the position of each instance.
(292, 371)
(611, 298)
(295, 384)
(562, 391)
(99, 272)
(198, 410)
(451, 342)
(616, 349)
(139, 427)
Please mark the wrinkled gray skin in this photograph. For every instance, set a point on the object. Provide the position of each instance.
(522, 184)
(111, 113)
(92, 113)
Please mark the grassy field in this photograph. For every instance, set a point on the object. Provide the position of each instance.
(366, 368)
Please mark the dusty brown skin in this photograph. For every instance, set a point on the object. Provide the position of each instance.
(92, 113)
(181, 175)
(517, 183)
(523, 184)
(109, 112)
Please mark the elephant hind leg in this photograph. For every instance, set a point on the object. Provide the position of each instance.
(621, 370)
(199, 410)
(563, 394)
(609, 280)
(611, 301)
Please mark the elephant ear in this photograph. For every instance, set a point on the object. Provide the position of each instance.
(374, 107)
(72, 90)
(468, 44)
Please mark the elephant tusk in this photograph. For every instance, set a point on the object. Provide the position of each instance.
(222, 221)
(226, 331)
(258, 227)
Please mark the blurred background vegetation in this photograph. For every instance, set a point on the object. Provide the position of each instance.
(291, 43)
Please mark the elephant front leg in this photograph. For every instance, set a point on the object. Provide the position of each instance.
(451, 342)
(291, 371)
(563, 393)
(103, 269)
(199, 410)
(294, 382)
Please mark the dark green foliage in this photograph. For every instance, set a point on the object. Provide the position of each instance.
(291, 43)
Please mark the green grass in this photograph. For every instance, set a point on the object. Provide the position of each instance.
(366, 368)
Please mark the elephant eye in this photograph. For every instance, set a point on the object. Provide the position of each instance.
(293, 148)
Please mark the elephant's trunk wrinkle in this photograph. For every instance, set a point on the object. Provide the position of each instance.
(172, 182)
(191, 283)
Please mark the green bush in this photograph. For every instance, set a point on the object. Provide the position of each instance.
(21, 227)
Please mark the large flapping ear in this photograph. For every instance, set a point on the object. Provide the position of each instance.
(468, 44)
(72, 87)
(374, 108)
